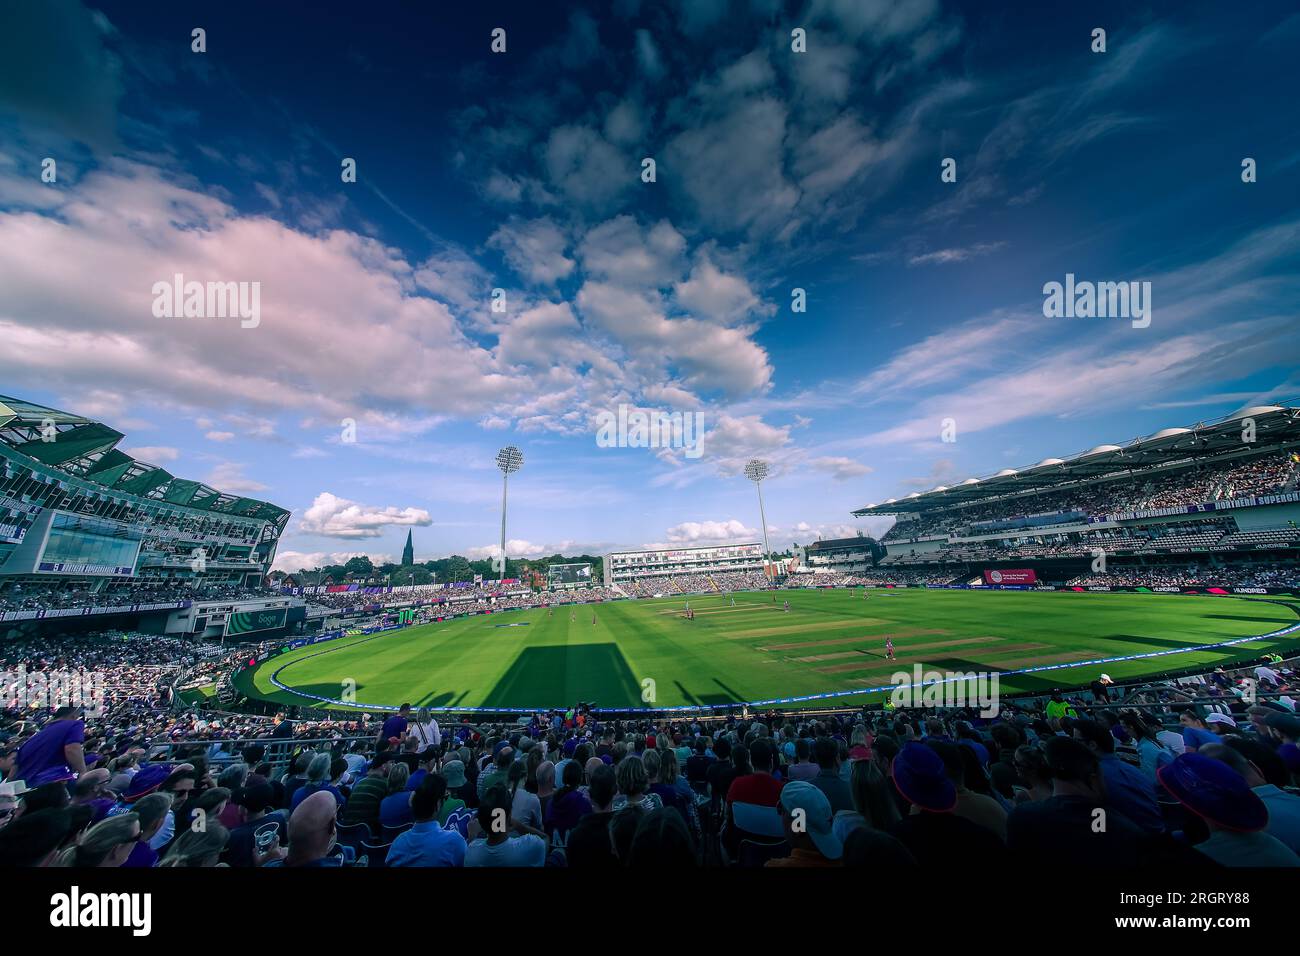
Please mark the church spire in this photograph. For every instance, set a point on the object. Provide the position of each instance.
(408, 552)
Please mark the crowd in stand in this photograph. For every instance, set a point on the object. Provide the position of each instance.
(1143, 491)
(1193, 575)
(702, 583)
(1200, 776)
(16, 596)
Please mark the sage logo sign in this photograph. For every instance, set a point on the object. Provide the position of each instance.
(76, 909)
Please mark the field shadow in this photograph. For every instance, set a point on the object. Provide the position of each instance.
(549, 676)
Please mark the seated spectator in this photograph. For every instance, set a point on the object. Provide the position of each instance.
(496, 846)
(1128, 789)
(259, 839)
(1235, 815)
(697, 766)
(526, 807)
(152, 810)
(828, 780)
(589, 845)
(1195, 731)
(455, 813)
(803, 767)
(634, 787)
(367, 794)
(317, 779)
(1283, 807)
(867, 847)
(1076, 822)
(567, 807)
(932, 831)
(395, 809)
(311, 833)
(106, 844)
(34, 838)
(807, 821)
(197, 848)
(427, 843)
(874, 805)
(661, 842)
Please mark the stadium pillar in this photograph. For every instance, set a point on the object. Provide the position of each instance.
(505, 485)
(509, 459)
(756, 471)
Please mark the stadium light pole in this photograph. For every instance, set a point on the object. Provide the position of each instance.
(509, 459)
(756, 471)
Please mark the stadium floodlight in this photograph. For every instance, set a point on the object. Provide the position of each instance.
(756, 471)
(509, 459)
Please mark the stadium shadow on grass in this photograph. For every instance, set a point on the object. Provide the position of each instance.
(541, 676)
(1283, 621)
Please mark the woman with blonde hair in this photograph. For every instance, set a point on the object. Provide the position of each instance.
(395, 809)
(108, 843)
(198, 848)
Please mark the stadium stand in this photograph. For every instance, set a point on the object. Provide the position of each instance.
(1204, 490)
(1198, 771)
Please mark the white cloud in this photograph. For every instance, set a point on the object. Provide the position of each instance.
(840, 468)
(335, 517)
(534, 249)
(730, 531)
(228, 476)
(153, 454)
(293, 561)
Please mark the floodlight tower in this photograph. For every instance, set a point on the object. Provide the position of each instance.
(509, 459)
(756, 471)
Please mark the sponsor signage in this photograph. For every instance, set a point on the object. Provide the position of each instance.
(1011, 576)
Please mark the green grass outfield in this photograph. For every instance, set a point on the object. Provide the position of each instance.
(828, 641)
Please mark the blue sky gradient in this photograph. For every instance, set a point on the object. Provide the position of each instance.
(521, 171)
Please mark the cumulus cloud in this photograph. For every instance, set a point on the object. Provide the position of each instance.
(153, 454)
(534, 249)
(228, 476)
(840, 468)
(335, 517)
(293, 561)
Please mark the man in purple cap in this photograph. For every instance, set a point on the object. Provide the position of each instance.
(1234, 814)
(54, 753)
(932, 831)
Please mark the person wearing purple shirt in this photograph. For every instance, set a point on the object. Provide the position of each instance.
(568, 806)
(54, 753)
(396, 725)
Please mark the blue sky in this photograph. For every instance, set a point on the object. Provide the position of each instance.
(521, 171)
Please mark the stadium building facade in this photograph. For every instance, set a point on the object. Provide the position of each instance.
(624, 566)
(856, 555)
(1214, 497)
(86, 530)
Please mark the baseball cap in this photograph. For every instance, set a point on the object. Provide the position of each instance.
(799, 796)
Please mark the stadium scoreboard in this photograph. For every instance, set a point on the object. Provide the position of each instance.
(568, 576)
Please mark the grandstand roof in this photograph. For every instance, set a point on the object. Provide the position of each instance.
(86, 449)
(835, 544)
(1274, 425)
